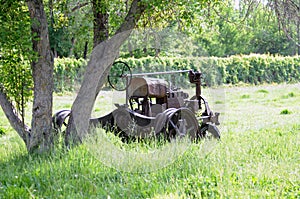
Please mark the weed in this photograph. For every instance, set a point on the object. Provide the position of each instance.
(262, 91)
(219, 102)
(285, 112)
(245, 96)
(2, 131)
(289, 95)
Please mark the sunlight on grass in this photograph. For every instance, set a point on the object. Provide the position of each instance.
(142, 156)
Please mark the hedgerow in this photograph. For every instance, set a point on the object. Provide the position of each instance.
(250, 69)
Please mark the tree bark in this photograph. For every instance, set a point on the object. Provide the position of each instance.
(42, 72)
(102, 57)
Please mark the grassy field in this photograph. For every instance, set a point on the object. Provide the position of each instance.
(257, 157)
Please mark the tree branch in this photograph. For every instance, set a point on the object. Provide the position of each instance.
(295, 5)
(79, 5)
(12, 116)
(135, 12)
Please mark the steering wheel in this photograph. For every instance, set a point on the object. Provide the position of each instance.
(120, 76)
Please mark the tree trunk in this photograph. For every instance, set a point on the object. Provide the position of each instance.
(42, 71)
(73, 42)
(102, 57)
(85, 51)
(101, 31)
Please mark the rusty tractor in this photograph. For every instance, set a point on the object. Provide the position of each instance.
(154, 107)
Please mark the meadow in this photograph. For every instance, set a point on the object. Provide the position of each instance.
(258, 155)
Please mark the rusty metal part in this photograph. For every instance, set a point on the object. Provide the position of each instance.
(149, 74)
(160, 73)
(195, 78)
(59, 118)
(151, 87)
(120, 76)
(208, 116)
(173, 122)
(211, 128)
(182, 122)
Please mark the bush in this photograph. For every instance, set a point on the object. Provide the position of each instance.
(251, 69)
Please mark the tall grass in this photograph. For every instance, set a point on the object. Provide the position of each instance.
(257, 157)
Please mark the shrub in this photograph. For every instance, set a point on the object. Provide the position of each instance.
(250, 69)
(285, 112)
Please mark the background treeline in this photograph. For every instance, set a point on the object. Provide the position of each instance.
(249, 69)
(215, 29)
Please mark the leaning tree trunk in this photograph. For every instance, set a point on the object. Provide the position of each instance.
(42, 71)
(100, 62)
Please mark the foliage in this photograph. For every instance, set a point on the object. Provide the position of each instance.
(288, 17)
(2, 131)
(58, 22)
(68, 73)
(16, 52)
(215, 28)
(249, 28)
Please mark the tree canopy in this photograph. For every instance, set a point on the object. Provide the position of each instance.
(216, 28)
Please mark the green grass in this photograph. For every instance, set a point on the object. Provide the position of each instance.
(257, 157)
